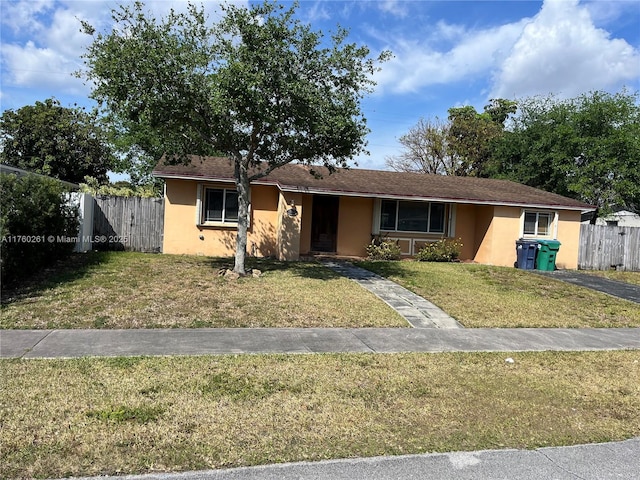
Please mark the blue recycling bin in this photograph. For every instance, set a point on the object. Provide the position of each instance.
(526, 251)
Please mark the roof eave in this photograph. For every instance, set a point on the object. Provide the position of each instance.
(469, 201)
(321, 191)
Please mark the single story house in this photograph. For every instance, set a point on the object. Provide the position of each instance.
(293, 213)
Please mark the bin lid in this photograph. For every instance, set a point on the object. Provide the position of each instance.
(522, 241)
(550, 243)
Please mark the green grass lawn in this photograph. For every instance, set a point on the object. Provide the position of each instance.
(500, 297)
(96, 416)
(621, 276)
(136, 290)
(135, 415)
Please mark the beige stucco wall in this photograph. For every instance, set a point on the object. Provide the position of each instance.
(289, 227)
(505, 230)
(482, 233)
(305, 226)
(465, 230)
(569, 237)
(489, 235)
(182, 235)
(355, 216)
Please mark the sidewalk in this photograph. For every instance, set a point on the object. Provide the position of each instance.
(214, 341)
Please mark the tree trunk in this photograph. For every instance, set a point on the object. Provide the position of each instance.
(242, 184)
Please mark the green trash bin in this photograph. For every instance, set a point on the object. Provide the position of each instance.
(546, 259)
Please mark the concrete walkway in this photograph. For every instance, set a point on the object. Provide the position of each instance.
(420, 313)
(622, 290)
(215, 341)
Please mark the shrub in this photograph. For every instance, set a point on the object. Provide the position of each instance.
(441, 251)
(120, 189)
(380, 249)
(34, 214)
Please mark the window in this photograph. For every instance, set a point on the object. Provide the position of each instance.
(404, 216)
(219, 206)
(538, 224)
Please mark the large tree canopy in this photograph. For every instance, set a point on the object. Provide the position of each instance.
(258, 86)
(472, 135)
(47, 138)
(586, 148)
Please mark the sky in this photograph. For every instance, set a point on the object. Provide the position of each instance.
(445, 53)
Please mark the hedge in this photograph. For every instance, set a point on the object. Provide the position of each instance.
(37, 221)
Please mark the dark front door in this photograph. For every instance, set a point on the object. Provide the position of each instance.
(324, 223)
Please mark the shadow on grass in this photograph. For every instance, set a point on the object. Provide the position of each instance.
(79, 265)
(74, 267)
(385, 268)
(305, 269)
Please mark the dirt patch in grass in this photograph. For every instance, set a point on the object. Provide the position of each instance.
(134, 290)
(498, 297)
(135, 415)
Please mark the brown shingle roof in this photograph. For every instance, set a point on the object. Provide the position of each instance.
(381, 184)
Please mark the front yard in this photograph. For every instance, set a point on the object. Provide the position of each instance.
(134, 290)
(115, 416)
(621, 276)
(499, 297)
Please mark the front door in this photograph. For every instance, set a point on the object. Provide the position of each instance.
(324, 223)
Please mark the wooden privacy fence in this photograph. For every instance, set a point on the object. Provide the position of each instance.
(128, 223)
(603, 247)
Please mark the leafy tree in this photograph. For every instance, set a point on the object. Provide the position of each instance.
(65, 143)
(587, 148)
(472, 134)
(258, 86)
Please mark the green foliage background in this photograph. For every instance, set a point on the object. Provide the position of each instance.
(32, 210)
(67, 143)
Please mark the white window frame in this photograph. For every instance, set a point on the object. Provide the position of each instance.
(201, 207)
(553, 227)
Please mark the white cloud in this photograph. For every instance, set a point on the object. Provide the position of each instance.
(47, 44)
(394, 7)
(561, 51)
(317, 12)
(417, 64)
(44, 68)
(25, 15)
